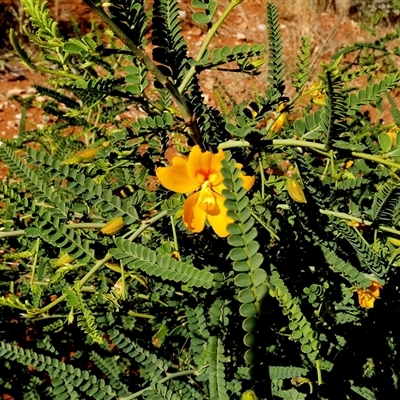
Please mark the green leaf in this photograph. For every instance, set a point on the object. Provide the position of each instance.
(242, 280)
(259, 276)
(394, 153)
(237, 254)
(246, 296)
(74, 48)
(385, 141)
(235, 240)
(249, 324)
(248, 310)
(201, 18)
(199, 4)
(299, 127)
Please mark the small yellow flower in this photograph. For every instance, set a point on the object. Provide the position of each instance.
(367, 297)
(280, 118)
(201, 173)
(318, 96)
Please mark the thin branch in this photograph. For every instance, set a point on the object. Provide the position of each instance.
(145, 60)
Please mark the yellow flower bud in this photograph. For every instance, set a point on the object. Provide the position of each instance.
(249, 395)
(277, 125)
(279, 119)
(318, 96)
(394, 241)
(392, 133)
(64, 259)
(83, 156)
(112, 227)
(295, 191)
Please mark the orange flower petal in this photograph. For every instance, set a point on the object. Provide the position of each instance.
(206, 199)
(218, 217)
(175, 177)
(248, 181)
(215, 176)
(193, 216)
(204, 166)
(366, 298)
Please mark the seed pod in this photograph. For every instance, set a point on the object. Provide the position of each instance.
(112, 227)
(295, 191)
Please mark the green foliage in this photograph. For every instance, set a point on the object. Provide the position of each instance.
(275, 48)
(302, 74)
(107, 292)
(247, 261)
(217, 375)
(141, 258)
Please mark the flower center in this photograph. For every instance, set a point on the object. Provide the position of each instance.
(206, 199)
(203, 176)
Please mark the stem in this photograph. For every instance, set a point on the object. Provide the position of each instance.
(360, 220)
(345, 216)
(298, 143)
(99, 264)
(166, 379)
(266, 226)
(146, 224)
(328, 162)
(82, 225)
(230, 144)
(376, 159)
(117, 165)
(389, 230)
(51, 305)
(140, 315)
(262, 175)
(144, 59)
(35, 262)
(25, 59)
(275, 142)
(332, 159)
(175, 236)
(20, 232)
(207, 40)
(319, 373)
(56, 72)
(123, 282)
(80, 284)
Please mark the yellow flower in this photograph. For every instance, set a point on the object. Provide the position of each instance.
(366, 298)
(277, 125)
(201, 173)
(295, 191)
(318, 95)
(279, 119)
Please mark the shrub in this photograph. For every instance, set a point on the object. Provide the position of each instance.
(116, 282)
